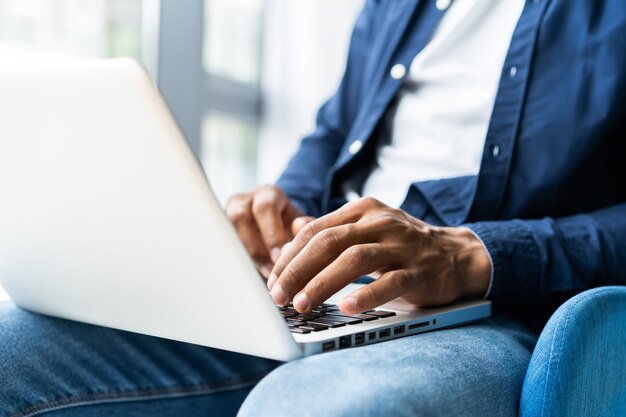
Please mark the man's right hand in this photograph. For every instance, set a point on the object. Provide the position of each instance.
(265, 220)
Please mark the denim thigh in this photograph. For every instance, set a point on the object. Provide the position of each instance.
(56, 367)
(472, 370)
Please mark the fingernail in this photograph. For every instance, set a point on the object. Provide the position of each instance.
(266, 269)
(301, 302)
(275, 254)
(279, 295)
(349, 303)
(271, 280)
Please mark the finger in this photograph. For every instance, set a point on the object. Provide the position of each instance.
(268, 206)
(347, 214)
(350, 212)
(352, 263)
(295, 268)
(299, 222)
(388, 287)
(273, 277)
(291, 213)
(252, 241)
(238, 210)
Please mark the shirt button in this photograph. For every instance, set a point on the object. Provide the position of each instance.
(355, 147)
(495, 150)
(513, 72)
(443, 4)
(398, 71)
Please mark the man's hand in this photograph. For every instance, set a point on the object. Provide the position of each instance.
(419, 263)
(265, 220)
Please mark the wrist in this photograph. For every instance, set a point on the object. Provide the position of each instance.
(477, 276)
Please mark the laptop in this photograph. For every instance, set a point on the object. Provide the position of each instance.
(107, 218)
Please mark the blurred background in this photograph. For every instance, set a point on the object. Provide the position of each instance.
(244, 78)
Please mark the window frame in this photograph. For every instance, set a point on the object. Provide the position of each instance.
(174, 57)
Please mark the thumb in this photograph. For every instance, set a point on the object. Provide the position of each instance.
(299, 223)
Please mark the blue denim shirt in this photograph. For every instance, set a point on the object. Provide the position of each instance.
(549, 201)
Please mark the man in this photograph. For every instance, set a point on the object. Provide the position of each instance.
(474, 148)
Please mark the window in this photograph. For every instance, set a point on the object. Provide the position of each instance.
(231, 62)
(229, 150)
(205, 55)
(232, 39)
(209, 71)
(35, 31)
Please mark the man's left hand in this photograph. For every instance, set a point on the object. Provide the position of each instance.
(421, 264)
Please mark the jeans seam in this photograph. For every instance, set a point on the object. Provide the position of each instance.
(551, 357)
(138, 395)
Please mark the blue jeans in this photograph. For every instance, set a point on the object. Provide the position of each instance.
(54, 367)
(578, 367)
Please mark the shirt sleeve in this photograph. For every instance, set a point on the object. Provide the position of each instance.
(553, 255)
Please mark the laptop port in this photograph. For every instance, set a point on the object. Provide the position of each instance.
(328, 346)
(359, 338)
(418, 325)
(384, 333)
(345, 342)
(371, 336)
(398, 330)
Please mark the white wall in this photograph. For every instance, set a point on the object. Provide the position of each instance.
(305, 46)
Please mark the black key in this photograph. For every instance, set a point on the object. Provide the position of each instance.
(314, 327)
(299, 330)
(381, 313)
(324, 310)
(293, 322)
(306, 317)
(365, 317)
(329, 320)
(345, 319)
(287, 314)
(328, 323)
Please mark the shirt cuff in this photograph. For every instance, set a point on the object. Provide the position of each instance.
(514, 256)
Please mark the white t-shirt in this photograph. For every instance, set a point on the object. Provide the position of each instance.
(439, 123)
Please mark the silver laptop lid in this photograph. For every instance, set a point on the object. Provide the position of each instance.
(106, 216)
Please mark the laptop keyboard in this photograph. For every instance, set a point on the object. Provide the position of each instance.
(326, 316)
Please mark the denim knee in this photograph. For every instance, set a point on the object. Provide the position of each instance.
(578, 366)
(296, 388)
(471, 370)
